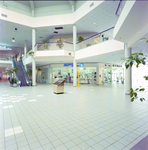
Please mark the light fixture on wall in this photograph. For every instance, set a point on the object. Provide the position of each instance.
(13, 40)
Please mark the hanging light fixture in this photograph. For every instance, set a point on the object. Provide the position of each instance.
(13, 40)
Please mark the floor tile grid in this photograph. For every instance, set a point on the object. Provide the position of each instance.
(137, 139)
(53, 131)
(2, 127)
(15, 137)
(34, 144)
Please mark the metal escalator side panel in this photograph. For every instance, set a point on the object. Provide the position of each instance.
(25, 73)
(14, 64)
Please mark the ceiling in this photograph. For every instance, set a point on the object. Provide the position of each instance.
(38, 4)
(104, 17)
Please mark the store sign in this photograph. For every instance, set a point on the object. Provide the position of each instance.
(112, 65)
(71, 65)
(81, 65)
(5, 48)
(66, 65)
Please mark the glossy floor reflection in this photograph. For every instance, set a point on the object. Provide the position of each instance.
(87, 118)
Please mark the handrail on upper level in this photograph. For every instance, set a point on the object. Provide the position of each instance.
(69, 45)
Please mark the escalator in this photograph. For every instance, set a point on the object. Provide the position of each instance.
(21, 74)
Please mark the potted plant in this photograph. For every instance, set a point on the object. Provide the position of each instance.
(60, 43)
(31, 53)
(29, 72)
(46, 44)
(80, 38)
(105, 38)
(13, 82)
(87, 45)
(11, 71)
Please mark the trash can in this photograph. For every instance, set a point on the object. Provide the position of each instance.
(58, 86)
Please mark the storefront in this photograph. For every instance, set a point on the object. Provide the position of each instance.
(90, 73)
(113, 75)
(87, 75)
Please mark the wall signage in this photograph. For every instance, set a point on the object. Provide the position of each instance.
(112, 65)
(5, 48)
(66, 65)
(71, 65)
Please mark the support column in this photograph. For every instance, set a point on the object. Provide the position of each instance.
(25, 52)
(50, 75)
(128, 79)
(74, 61)
(99, 73)
(20, 54)
(33, 60)
(101, 38)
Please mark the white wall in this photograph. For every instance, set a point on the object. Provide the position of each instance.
(126, 9)
(53, 10)
(98, 49)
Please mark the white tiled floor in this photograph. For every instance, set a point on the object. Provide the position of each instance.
(87, 118)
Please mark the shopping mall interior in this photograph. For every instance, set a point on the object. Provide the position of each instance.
(63, 80)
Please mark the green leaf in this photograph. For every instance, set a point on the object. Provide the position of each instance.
(143, 39)
(131, 89)
(135, 94)
(142, 89)
(132, 99)
(131, 94)
(142, 99)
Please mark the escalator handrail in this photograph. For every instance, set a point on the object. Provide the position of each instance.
(15, 73)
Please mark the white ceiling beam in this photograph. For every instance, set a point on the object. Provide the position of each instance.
(32, 5)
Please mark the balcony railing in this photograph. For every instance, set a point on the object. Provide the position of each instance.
(64, 45)
(95, 39)
(5, 58)
(54, 46)
(120, 7)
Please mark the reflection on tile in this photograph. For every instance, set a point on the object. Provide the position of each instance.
(13, 131)
(32, 100)
(10, 106)
(7, 101)
(39, 95)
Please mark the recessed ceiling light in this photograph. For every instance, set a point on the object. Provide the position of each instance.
(94, 23)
